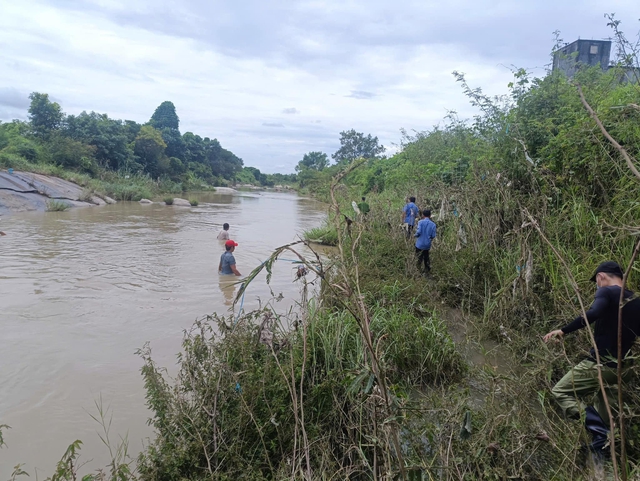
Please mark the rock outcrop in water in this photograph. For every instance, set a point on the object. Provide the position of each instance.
(181, 202)
(25, 191)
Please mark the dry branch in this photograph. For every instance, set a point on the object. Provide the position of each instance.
(629, 160)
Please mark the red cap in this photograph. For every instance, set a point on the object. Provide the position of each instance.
(231, 243)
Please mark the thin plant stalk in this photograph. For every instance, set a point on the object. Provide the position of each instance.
(574, 285)
(623, 449)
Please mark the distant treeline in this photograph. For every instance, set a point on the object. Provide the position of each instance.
(94, 142)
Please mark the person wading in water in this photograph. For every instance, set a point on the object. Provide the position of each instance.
(224, 233)
(227, 261)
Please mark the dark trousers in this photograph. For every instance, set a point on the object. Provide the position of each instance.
(409, 230)
(423, 257)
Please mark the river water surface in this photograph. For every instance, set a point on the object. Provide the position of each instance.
(81, 290)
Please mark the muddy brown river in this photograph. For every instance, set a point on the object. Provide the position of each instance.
(81, 290)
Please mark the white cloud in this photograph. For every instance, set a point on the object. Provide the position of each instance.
(233, 68)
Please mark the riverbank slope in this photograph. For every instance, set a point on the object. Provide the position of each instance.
(26, 191)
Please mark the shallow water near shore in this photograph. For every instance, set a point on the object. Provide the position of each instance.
(81, 290)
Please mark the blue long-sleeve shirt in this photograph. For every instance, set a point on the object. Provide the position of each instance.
(411, 211)
(425, 233)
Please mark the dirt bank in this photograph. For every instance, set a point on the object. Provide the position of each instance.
(25, 191)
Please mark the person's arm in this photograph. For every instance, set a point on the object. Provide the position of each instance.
(419, 229)
(598, 307)
(433, 230)
(220, 266)
(234, 270)
(404, 213)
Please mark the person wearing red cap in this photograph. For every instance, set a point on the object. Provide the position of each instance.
(582, 380)
(227, 261)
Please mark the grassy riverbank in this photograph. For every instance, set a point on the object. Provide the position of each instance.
(117, 185)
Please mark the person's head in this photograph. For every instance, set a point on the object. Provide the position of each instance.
(412, 199)
(225, 226)
(230, 245)
(607, 273)
(363, 199)
(426, 213)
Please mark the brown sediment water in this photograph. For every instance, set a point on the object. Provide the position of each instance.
(81, 290)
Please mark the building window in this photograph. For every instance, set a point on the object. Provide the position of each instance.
(593, 50)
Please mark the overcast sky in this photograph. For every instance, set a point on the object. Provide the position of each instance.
(273, 79)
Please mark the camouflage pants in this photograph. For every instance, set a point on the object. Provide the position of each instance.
(581, 382)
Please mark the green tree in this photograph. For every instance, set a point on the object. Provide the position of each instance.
(165, 119)
(110, 137)
(149, 148)
(354, 145)
(44, 115)
(314, 161)
(165, 116)
(71, 154)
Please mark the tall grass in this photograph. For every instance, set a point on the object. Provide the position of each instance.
(57, 205)
(326, 235)
(242, 385)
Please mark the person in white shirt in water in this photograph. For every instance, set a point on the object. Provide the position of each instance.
(224, 233)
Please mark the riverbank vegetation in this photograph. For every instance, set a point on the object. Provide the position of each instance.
(529, 197)
(122, 159)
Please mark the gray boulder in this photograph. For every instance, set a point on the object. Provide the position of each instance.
(178, 202)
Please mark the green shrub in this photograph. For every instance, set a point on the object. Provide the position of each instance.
(13, 161)
(326, 235)
(130, 192)
(168, 200)
(57, 205)
(87, 195)
(236, 390)
(194, 203)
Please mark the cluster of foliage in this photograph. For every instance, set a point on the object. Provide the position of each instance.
(253, 176)
(315, 171)
(93, 143)
(237, 407)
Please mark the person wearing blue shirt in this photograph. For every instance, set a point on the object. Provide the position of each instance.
(409, 213)
(425, 233)
(227, 264)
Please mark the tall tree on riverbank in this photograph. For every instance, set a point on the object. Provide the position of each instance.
(313, 161)
(149, 148)
(44, 115)
(166, 121)
(354, 145)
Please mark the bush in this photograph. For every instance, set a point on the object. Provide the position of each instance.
(57, 206)
(130, 192)
(235, 392)
(168, 200)
(326, 235)
(87, 195)
(193, 203)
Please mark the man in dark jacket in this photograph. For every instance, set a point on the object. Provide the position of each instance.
(582, 380)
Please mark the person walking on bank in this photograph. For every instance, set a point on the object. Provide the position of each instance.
(582, 380)
(425, 233)
(227, 261)
(409, 213)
